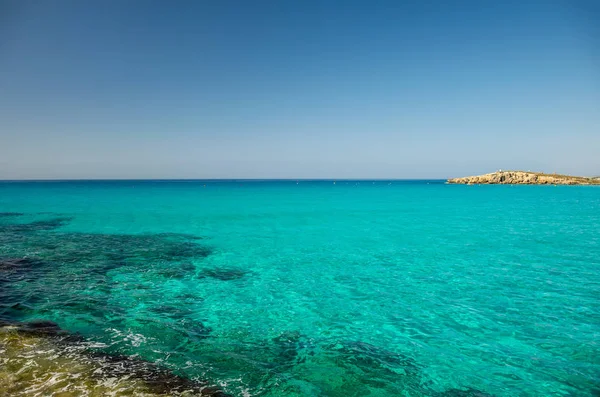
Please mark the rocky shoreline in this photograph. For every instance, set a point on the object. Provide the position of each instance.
(524, 178)
(40, 358)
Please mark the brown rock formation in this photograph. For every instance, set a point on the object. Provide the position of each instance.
(525, 178)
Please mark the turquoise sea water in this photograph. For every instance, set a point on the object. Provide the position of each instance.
(316, 288)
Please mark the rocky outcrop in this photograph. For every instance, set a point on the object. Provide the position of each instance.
(524, 178)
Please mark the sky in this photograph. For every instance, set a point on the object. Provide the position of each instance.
(297, 89)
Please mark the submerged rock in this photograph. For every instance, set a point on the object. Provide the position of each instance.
(44, 361)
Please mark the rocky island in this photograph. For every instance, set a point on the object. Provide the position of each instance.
(525, 178)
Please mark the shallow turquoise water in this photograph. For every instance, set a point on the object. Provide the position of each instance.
(285, 288)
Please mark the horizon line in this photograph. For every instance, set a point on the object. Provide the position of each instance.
(217, 179)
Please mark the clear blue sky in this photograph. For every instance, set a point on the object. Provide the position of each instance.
(297, 89)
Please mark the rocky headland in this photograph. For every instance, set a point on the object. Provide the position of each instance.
(524, 178)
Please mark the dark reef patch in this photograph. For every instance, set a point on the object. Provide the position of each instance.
(190, 298)
(178, 271)
(71, 274)
(14, 308)
(15, 270)
(198, 330)
(379, 369)
(18, 263)
(170, 311)
(179, 235)
(10, 214)
(124, 247)
(223, 274)
(41, 327)
(464, 393)
(100, 253)
(71, 247)
(36, 226)
(291, 348)
(370, 357)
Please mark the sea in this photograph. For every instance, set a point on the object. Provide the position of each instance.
(304, 287)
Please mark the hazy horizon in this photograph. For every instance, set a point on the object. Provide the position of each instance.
(308, 90)
(374, 179)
